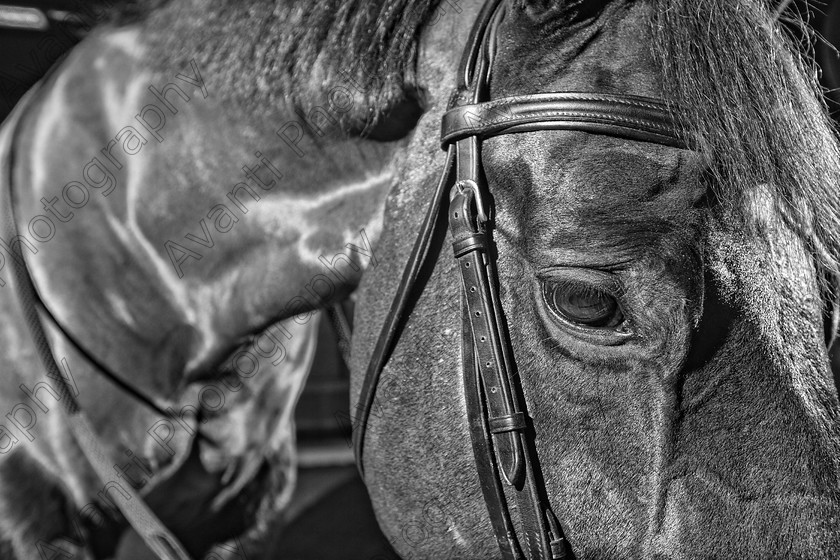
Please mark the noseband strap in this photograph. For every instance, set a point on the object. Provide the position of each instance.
(502, 433)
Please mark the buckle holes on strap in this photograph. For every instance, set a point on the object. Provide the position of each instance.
(478, 313)
(489, 364)
(456, 214)
(467, 265)
(483, 339)
(472, 290)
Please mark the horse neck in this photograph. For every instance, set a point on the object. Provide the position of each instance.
(202, 229)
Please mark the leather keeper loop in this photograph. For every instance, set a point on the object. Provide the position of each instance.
(558, 549)
(508, 423)
(474, 242)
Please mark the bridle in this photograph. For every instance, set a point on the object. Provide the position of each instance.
(502, 434)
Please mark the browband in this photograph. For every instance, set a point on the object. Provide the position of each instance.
(625, 116)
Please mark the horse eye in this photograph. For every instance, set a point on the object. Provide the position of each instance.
(583, 304)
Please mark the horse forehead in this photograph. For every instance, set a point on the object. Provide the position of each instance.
(610, 55)
(573, 181)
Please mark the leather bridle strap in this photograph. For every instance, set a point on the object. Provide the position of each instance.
(153, 532)
(397, 312)
(417, 260)
(499, 426)
(622, 116)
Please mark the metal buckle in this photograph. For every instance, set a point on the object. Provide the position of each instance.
(481, 210)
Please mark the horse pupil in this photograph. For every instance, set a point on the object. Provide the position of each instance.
(585, 304)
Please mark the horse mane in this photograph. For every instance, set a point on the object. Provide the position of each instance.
(264, 53)
(752, 105)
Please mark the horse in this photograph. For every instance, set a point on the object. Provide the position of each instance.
(235, 167)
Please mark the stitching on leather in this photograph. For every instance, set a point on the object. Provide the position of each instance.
(537, 115)
(649, 104)
(623, 126)
(528, 544)
(563, 113)
(605, 116)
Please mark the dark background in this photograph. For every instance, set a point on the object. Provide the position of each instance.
(28, 52)
(824, 17)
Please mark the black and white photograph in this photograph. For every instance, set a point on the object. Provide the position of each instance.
(419, 279)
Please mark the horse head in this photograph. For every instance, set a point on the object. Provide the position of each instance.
(665, 305)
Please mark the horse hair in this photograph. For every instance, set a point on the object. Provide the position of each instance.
(264, 53)
(754, 108)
